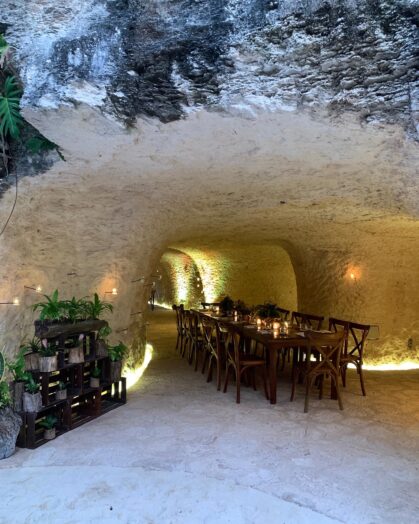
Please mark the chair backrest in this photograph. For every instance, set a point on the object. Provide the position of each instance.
(283, 313)
(178, 310)
(313, 321)
(355, 336)
(232, 343)
(211, 335)
(329, 347)
(207, 305)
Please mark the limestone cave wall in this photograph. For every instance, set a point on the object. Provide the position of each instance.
(282, 125)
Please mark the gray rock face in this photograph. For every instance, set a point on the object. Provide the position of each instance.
(165, 58)
(10, 424)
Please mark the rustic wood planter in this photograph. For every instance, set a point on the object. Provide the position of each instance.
(76, 355)
(32, 402)
(101, 348)
(52, 330)
(61, 394)
(49, 434)
(115, 370)
(16, 392)
(47, 364)
(32, 362)
(94, 382)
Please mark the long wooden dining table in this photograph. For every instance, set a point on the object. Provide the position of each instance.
(272, 342)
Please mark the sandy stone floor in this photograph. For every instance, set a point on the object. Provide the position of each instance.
(180, 452)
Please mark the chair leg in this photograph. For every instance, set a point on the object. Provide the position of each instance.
(205, 360)
(361, 378)
(177, 342)
(343, 372)
(218, 364)
(210, 363)
(265, 382)
(196, 357)
(226, 378)
(238, 377)
(294, 380)
(336, 380)
(254, 379)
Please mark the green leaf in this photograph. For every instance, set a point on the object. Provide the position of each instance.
(37, 144)
(10, 117)
(2, 364)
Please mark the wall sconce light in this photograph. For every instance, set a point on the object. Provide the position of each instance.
(37, 289)
(113, 292)
(353, 273)
(124, 330)
(16, 302)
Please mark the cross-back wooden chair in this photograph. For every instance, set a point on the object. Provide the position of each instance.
(180, 334)
(329, 347)
(195, 338)
(184, 319)
(313, 321)
(353, 348)
(213, 350)
(240, 363)
(283, 313)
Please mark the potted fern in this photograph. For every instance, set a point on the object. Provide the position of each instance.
(32, 401)
(95, 377)
(101, 341)
(49, 423)
(32, 354)
(10, 422)
(17, 369)
(61, 392)
(76, 353)
(52, 310)
(47, 357)
(94, 308)
(116, 355)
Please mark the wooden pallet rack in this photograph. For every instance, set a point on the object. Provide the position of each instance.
(83, 403)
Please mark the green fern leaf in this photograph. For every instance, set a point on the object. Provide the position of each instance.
(2, 363)
(10, 117)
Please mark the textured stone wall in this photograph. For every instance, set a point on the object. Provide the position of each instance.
(278, 125)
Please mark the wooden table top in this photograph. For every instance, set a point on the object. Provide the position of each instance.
(266, 337)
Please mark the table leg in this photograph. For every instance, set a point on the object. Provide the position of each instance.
(272, 365)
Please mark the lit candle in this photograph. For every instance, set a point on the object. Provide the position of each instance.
(236, 316)
(276, 325)
(259, 323)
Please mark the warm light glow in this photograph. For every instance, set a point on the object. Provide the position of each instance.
(16, 301)
(259, 323)
(38, 289)
(114, 291)
(134, 375)
(392, 366)
(353, 273)
(276, 325)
